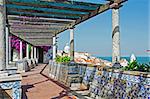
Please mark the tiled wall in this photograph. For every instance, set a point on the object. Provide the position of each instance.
(108, 84)
(114, 85)
(89, 75)
(15, 86)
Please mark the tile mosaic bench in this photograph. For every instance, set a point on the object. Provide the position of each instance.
(118, 85)
(89, 75)
(11, 85)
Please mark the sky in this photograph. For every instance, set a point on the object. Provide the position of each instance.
(95, 35)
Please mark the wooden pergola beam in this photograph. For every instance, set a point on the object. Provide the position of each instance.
(42, 44)
(98, 11)
(36, 32)
(43, 12)
(32, 30)
(36, 27)
(47, 6)
(34, 37)
(36, 42)
(45, 34)
(73, 2)
(31, 14)
(16, 22)
(39, 41)
(101, 9)
(39, 19)
(40, 25)
(38, 37)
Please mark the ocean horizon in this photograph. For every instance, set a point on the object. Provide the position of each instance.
(140, 59)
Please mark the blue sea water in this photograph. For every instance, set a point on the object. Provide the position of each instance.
(142, 60)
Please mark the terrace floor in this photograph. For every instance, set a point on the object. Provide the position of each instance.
(37, 85)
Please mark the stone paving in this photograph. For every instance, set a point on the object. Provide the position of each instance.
(37, 85)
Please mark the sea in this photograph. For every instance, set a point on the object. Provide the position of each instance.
(142, 60)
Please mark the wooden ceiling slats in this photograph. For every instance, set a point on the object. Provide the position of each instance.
(55, 5)
(38, 19)
(30, 19)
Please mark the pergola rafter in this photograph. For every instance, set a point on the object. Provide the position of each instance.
(39, 37)
(29, 36)
(39, 19)
(35, 34)
(45, 10)
(37, 42)
(28, 30)
(37, 23)
(36, 27)
(21, 17)
(50, 16)
(56, 5)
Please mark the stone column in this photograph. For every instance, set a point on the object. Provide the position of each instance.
(32, 52)
(7, 45)
(9, 49)
(72, 44)
(35, 53)
(54, 47)
(21, 51)
(115, 35)
(27, 51)
(2, 35)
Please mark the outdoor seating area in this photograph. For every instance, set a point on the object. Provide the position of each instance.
(25, 65)
(32, 67)
(10, 79)
(87, 81)
(10, 85)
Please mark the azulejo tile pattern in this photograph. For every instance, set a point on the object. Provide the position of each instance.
(119, 86)
(109, 84)
(89, 75)
(15, 86)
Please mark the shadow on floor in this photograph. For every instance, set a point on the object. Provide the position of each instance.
(24, 90)
(4, 94)
(40, 82)
(30, 74)
(61, 95)
(54, 81)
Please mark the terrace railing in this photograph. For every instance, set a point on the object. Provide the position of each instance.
(68, 73)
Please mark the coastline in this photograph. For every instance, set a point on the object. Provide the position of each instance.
(140, 59)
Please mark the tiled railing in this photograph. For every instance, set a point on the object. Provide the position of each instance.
(106, 83)
(26, 64)
(67, 73)
(10, 86)
(118, 84)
